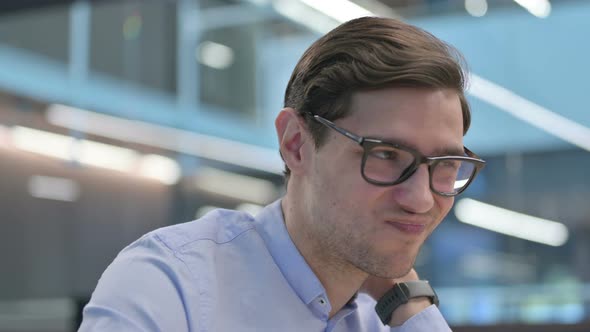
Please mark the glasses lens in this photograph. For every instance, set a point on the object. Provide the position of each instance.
(386, 164)
(450, 176)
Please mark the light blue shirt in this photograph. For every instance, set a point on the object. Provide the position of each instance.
(227, 271)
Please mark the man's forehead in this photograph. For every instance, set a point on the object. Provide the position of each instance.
(438, 149)
(400, 116)
(408, 102)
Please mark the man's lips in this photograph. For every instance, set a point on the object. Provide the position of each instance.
(408, 228)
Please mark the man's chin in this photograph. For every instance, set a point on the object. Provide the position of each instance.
(401, 267)
(394, 270)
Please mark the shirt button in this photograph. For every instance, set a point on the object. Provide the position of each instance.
(322, 301)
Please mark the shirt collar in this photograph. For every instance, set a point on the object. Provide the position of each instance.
(270, 224)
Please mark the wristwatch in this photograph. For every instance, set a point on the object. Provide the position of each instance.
(400, 294)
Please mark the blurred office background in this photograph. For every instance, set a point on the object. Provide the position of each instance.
(119, 117)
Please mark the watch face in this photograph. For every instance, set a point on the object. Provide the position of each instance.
(420, 288)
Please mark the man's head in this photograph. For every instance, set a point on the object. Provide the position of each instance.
(373, 80)
(366, 54)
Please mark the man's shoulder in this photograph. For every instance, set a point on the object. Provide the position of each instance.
(219, 226)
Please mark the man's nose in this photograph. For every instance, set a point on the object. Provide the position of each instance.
(414, 194)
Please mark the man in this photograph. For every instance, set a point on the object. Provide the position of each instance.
(372, 139)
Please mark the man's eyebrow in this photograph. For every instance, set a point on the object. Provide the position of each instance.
(450, 152)
(441, 151)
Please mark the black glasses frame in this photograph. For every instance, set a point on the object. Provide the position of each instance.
(368, 143)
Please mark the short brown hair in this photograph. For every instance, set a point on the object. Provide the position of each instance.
(366, 54)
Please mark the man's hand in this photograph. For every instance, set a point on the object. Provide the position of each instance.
(376, 287)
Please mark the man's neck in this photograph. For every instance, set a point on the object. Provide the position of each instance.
(340, 279)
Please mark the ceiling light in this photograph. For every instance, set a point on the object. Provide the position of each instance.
(539, 8)
(340, 10)
(106, 156)
(42, 142)
(70, 149)
(304, 15)
(163, 169)
(476, 8)
(530, 112)
(511, 223)
(184, 141)
(95, 154)
(53, 188)
(236, 186)
(215, 55)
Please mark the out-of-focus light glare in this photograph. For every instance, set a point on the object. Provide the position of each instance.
(485, 265)
(511, 223)
(529, 112)
(237, 186)
(539, 8)
(107, 156)
(160, 168)
(53, 188)
(304, 15)
(477, 8)
(67, 148)
(340, 10)
(132, 27)
(260, 2)
(323, 16)
(96, 154)
(203, 146)
(42, 142)
(252, 209)
(215, 55)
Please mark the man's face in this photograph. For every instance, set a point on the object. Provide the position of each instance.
(380, 229)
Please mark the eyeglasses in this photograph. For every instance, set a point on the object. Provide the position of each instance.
(388, 164)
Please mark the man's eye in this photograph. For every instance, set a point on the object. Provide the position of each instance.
(451, 164)
(385, 154)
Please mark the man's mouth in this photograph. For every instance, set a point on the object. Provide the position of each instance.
(408, 228)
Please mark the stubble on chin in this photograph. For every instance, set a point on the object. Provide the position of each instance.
(391, 270)
(384, 265)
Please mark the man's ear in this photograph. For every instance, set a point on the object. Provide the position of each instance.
(292, 136)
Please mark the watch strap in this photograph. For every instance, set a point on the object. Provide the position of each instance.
(400, 294)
